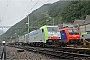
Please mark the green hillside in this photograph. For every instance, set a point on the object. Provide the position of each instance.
(61, 11)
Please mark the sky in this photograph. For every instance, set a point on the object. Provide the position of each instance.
(13, 11)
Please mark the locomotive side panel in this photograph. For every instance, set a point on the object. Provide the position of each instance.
(36, 36)
(63, 36)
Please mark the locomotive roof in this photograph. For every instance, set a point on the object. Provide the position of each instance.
(68, 28)
(52, 26)
(48, 26)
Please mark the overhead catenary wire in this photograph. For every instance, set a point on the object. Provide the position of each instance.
(47, 1)
(8, 1)
(37, 3)
(34, 5)
(7, 4)
(5, 9)
(26, 8)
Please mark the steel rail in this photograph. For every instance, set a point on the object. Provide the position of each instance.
(57, 52)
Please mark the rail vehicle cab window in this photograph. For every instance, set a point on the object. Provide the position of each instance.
(63, 31)
(42, 30)
(73, 31)
(70, 31)
(52, 29)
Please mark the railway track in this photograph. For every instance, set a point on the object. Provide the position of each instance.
(60, 52)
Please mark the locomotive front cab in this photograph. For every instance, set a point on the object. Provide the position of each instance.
(63, 35)
(74, 35)
(70, 35)
(53, 33)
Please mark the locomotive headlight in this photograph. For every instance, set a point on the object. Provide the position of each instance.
(70, 38)
(74, 36)
(51, 34)
(59, 37)
(49, 37)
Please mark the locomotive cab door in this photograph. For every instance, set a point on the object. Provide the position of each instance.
(63, 35)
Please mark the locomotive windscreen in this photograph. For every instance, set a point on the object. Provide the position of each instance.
(52, 29)
(73, 31)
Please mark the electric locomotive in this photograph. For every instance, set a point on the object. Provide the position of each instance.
(46, 35)
(70, 35)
